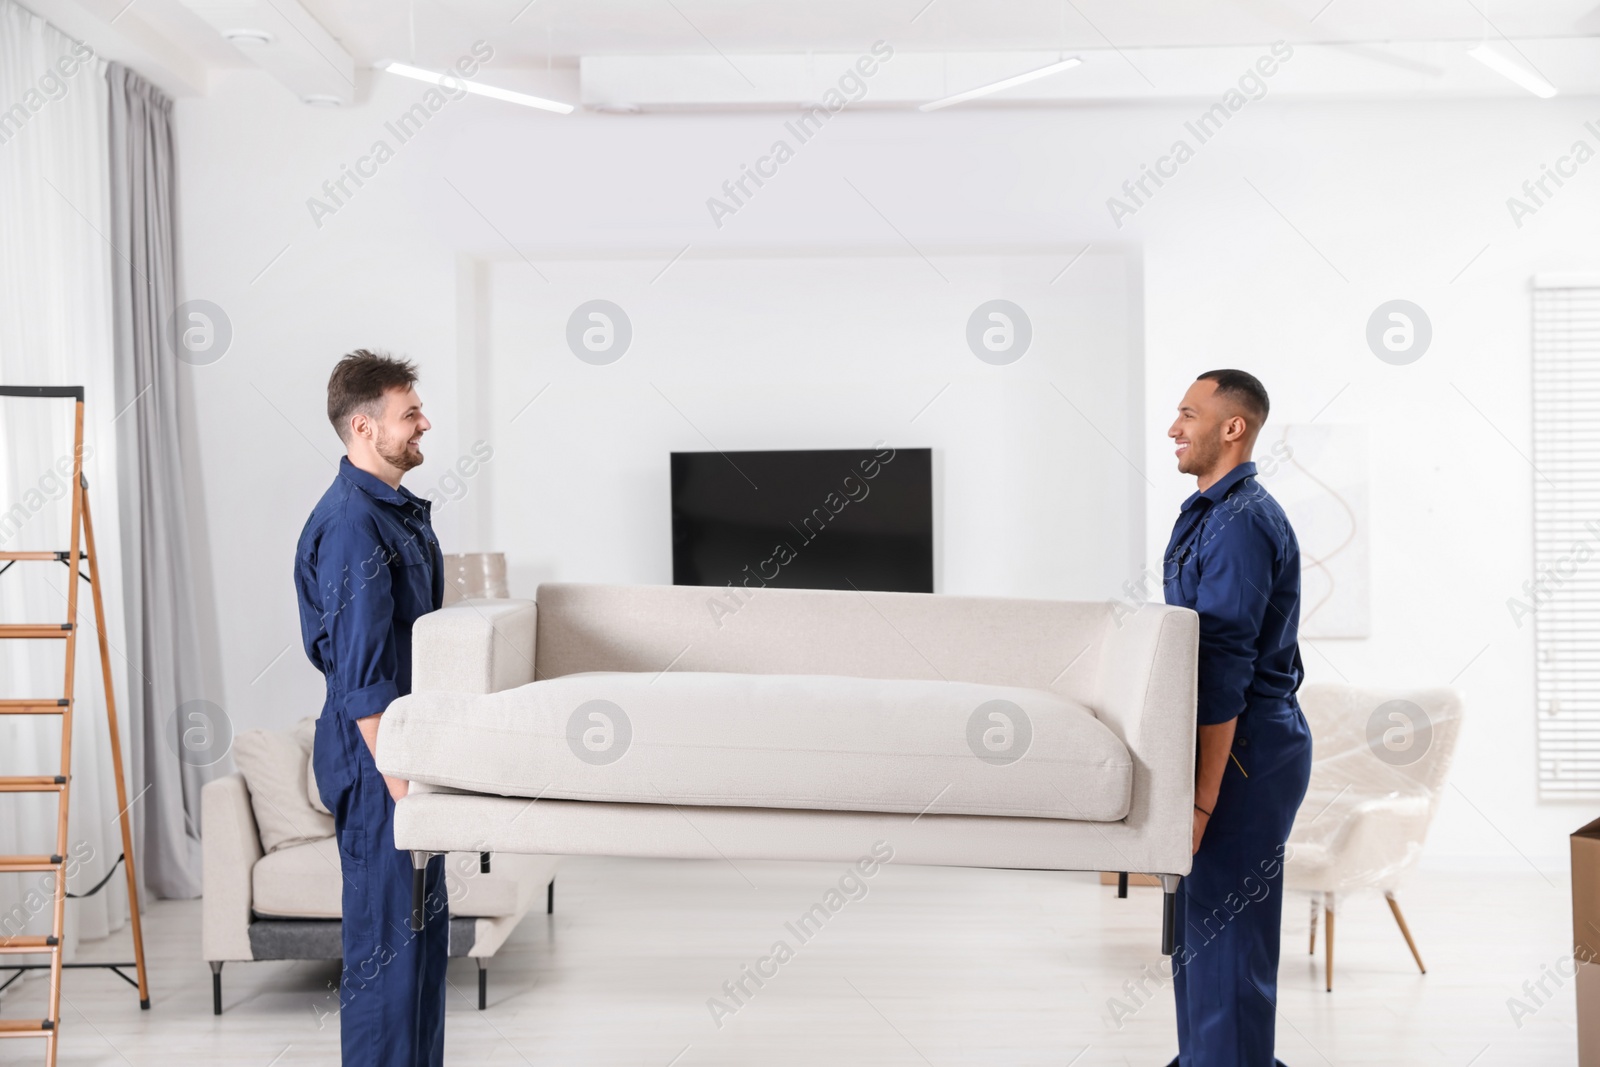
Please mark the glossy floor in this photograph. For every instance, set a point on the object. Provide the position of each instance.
(929, 966)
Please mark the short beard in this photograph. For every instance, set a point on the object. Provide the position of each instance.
(400, 458)
(1202, 456)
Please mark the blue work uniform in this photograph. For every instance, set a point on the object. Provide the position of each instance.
(367, 566)
(1233, 558)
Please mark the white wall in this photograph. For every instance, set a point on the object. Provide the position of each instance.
(774, 351)
(1268, 250)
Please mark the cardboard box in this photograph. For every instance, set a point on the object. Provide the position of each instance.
(1586, 939)
(1588, 1014)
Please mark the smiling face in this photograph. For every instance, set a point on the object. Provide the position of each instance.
(1206, 429)
(397, 432)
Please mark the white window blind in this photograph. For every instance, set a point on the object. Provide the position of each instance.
(1566, 534)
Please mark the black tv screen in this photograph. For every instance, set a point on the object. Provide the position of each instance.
(834, 519)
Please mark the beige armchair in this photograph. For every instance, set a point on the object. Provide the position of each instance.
(272, 881)
(1380, 760)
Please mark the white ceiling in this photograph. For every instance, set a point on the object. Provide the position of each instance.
(567, 29)
(177, 44)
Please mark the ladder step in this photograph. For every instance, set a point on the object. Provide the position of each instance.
(41, 706)
(35, 555)
(35, 783)
(39, 943)
(19, 864)
(34, 630)
(24, 1027)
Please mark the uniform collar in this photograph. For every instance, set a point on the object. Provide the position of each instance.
(376, 487)
(1221, 487)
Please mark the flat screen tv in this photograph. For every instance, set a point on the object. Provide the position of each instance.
(833, 519)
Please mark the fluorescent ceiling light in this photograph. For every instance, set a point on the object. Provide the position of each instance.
(457, 82)
(1514, 72)
(1006, 83)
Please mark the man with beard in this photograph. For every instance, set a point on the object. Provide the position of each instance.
(1233, 558)
(367, 566)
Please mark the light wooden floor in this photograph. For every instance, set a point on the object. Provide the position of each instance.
(933, 966)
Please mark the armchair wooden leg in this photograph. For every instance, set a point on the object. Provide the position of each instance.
(216, 986)
(1327, 912)
(1394, 906)
(1315, 907)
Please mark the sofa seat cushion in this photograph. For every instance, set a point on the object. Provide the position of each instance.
(299, 882)
(768, 741)
(304, 882)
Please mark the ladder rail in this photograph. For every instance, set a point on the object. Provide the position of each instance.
(116, 750)
(64, 800)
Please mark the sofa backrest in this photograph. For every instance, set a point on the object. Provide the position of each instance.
(995, 640)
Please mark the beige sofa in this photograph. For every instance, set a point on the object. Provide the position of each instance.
(272, 881)
(693, 722)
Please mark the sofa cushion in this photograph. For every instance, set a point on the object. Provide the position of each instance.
(274, 765)
(304, 882)
(769, 741)
(306, 732)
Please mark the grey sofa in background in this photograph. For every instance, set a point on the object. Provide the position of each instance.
(272, 882)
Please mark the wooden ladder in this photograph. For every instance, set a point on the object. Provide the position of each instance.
(60, 783)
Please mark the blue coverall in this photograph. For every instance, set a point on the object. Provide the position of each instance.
(367, 566)
(1233, 558)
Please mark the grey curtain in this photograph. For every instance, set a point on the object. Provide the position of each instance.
(164, 649)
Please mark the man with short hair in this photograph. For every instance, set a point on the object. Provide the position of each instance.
(367, 566)
(1233, 558)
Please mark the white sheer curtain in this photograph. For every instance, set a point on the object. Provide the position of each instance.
(56, 329)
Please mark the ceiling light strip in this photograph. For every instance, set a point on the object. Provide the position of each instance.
(1006, 83)
(492, 92)
(1512, 72)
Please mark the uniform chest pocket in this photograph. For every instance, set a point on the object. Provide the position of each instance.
(1181, 575)
(411, 552)
(412, 577)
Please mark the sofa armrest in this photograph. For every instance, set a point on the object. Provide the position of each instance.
(230, 846)
(476, 646)
(1146, 692)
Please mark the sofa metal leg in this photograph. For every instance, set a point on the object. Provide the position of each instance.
(550, 898)
(483, 986)
(483, 863)
(1122, 885)
(419, 887)
(1169, 913)
(216, 987)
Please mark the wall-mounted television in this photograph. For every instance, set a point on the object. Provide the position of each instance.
(826, 519)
